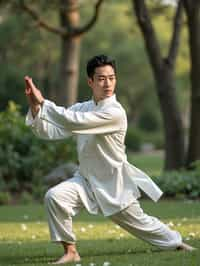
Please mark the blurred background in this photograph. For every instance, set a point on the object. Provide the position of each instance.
(156, 45)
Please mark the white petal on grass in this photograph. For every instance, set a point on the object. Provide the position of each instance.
(121, 235)
(83, 230)
(90, 226)
(106, 263)
(170, 224)
(179, 224)
(33, 236)
(111, 231)
(192, 234)
(117, 226)
(78, 264)
(23, 227)
(184, 219)
(92, 264)
(26, 217)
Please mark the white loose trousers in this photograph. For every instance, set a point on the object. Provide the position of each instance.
(64, 201)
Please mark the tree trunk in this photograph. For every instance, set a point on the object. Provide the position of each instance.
(69, 71)
(192, 8)
(173, 127)
(163, 69)
(69, 60)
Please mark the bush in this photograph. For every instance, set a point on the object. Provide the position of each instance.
(149, 120)
(26, 198)
(135, 137)
(25, 159)
(5, 197)
(180, 184)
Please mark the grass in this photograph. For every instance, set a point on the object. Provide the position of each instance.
(151, 163)
(24, 237)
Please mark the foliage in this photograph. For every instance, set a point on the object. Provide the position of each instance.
(133, 139)
(149, 120)
(180, 183)
(5, 197)
(25, 159)
(38, 53)
(136, 137)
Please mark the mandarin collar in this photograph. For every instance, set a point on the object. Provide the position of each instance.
(105, 101)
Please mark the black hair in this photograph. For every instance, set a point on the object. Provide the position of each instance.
(98, 61)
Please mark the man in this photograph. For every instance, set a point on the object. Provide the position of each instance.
(105, 181)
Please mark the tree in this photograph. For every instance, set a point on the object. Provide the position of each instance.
(163, 71)
(192, 8)
(70, 33)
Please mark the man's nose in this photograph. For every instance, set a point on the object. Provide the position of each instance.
(107, 82)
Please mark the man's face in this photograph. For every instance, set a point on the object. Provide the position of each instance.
(103, 82)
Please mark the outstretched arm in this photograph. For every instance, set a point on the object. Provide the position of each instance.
(78, 121)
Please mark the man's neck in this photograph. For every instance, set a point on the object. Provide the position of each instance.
(99, 101)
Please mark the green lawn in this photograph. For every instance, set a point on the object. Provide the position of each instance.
(151, 163)
(24, 238)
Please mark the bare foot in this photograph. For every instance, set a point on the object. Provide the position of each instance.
(186, 247)
(69, 257)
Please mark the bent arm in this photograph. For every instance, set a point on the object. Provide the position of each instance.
(79, 122)
(44, 129)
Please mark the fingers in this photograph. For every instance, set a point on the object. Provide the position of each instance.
(28, 87)
(32, 92)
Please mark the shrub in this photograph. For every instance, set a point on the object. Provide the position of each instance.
(149, 120)
(25, 197)
(136, 137)
(25, 159)
(133, 139)
(5, 197)
(182, 183)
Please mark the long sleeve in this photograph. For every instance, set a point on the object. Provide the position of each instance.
(83, 122)
(44, 129)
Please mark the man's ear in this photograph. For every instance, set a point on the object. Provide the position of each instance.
(89, 81)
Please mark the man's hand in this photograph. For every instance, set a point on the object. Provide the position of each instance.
(32, 92)
(34, 96)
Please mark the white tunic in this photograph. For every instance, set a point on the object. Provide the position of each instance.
(109, 182)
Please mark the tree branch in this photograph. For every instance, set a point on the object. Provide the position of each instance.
(61, 31)
(40, 22)
(176, 34)
(149, 35)
(90, 24)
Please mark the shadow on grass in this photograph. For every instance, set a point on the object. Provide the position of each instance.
(42, 253)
